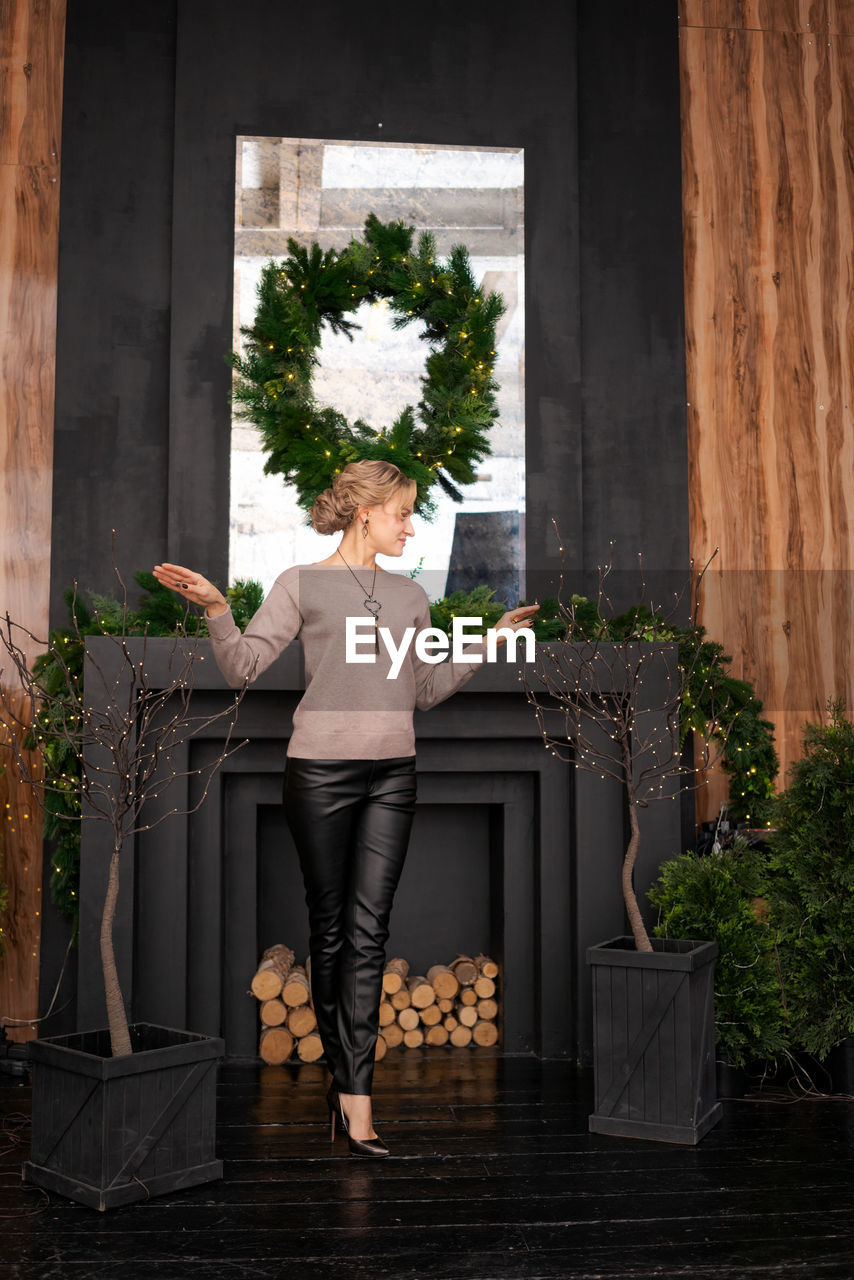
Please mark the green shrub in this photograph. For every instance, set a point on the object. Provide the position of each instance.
(718, 898)
(811, 885)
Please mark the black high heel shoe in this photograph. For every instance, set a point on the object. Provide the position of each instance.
(358, 1146)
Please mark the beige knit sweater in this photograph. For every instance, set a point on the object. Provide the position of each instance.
(349, 710)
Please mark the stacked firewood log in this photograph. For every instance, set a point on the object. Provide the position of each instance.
(454, 1004)
(451, 1004)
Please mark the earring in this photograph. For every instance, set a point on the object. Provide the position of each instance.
(365, 529)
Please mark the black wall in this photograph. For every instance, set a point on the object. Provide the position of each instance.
(111, 447)
(154, 96)
(634, 439)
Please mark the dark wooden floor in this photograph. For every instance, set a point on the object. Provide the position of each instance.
(492, 1176)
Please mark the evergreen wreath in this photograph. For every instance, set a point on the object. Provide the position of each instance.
(307, 443)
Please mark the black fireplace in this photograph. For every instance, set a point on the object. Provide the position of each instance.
(512, 854)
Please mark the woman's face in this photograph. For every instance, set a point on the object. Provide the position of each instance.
(390, 524)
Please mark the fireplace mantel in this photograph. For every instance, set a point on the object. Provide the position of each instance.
(549, 842)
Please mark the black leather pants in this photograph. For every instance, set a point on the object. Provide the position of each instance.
(350, 820)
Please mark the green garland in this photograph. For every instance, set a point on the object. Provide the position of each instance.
(749, 755)
(308, 443)
(160, 613)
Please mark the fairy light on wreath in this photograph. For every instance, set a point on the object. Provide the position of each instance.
(439, 441)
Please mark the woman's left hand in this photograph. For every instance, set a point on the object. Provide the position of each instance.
(514, 619)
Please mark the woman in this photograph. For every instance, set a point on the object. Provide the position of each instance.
(349, 785)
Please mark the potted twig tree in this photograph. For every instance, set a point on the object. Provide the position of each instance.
(607, 699)
(122, 1112)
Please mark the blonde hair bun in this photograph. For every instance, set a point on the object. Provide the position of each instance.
(367, 483)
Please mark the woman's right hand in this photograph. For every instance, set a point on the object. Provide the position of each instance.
(192, 586)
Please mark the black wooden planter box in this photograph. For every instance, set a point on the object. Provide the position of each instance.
(654, 1040)
(840, 1065)
(108, 1131)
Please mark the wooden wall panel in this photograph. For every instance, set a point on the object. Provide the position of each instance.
(768, 207)
(31, 61)
(834, 17)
